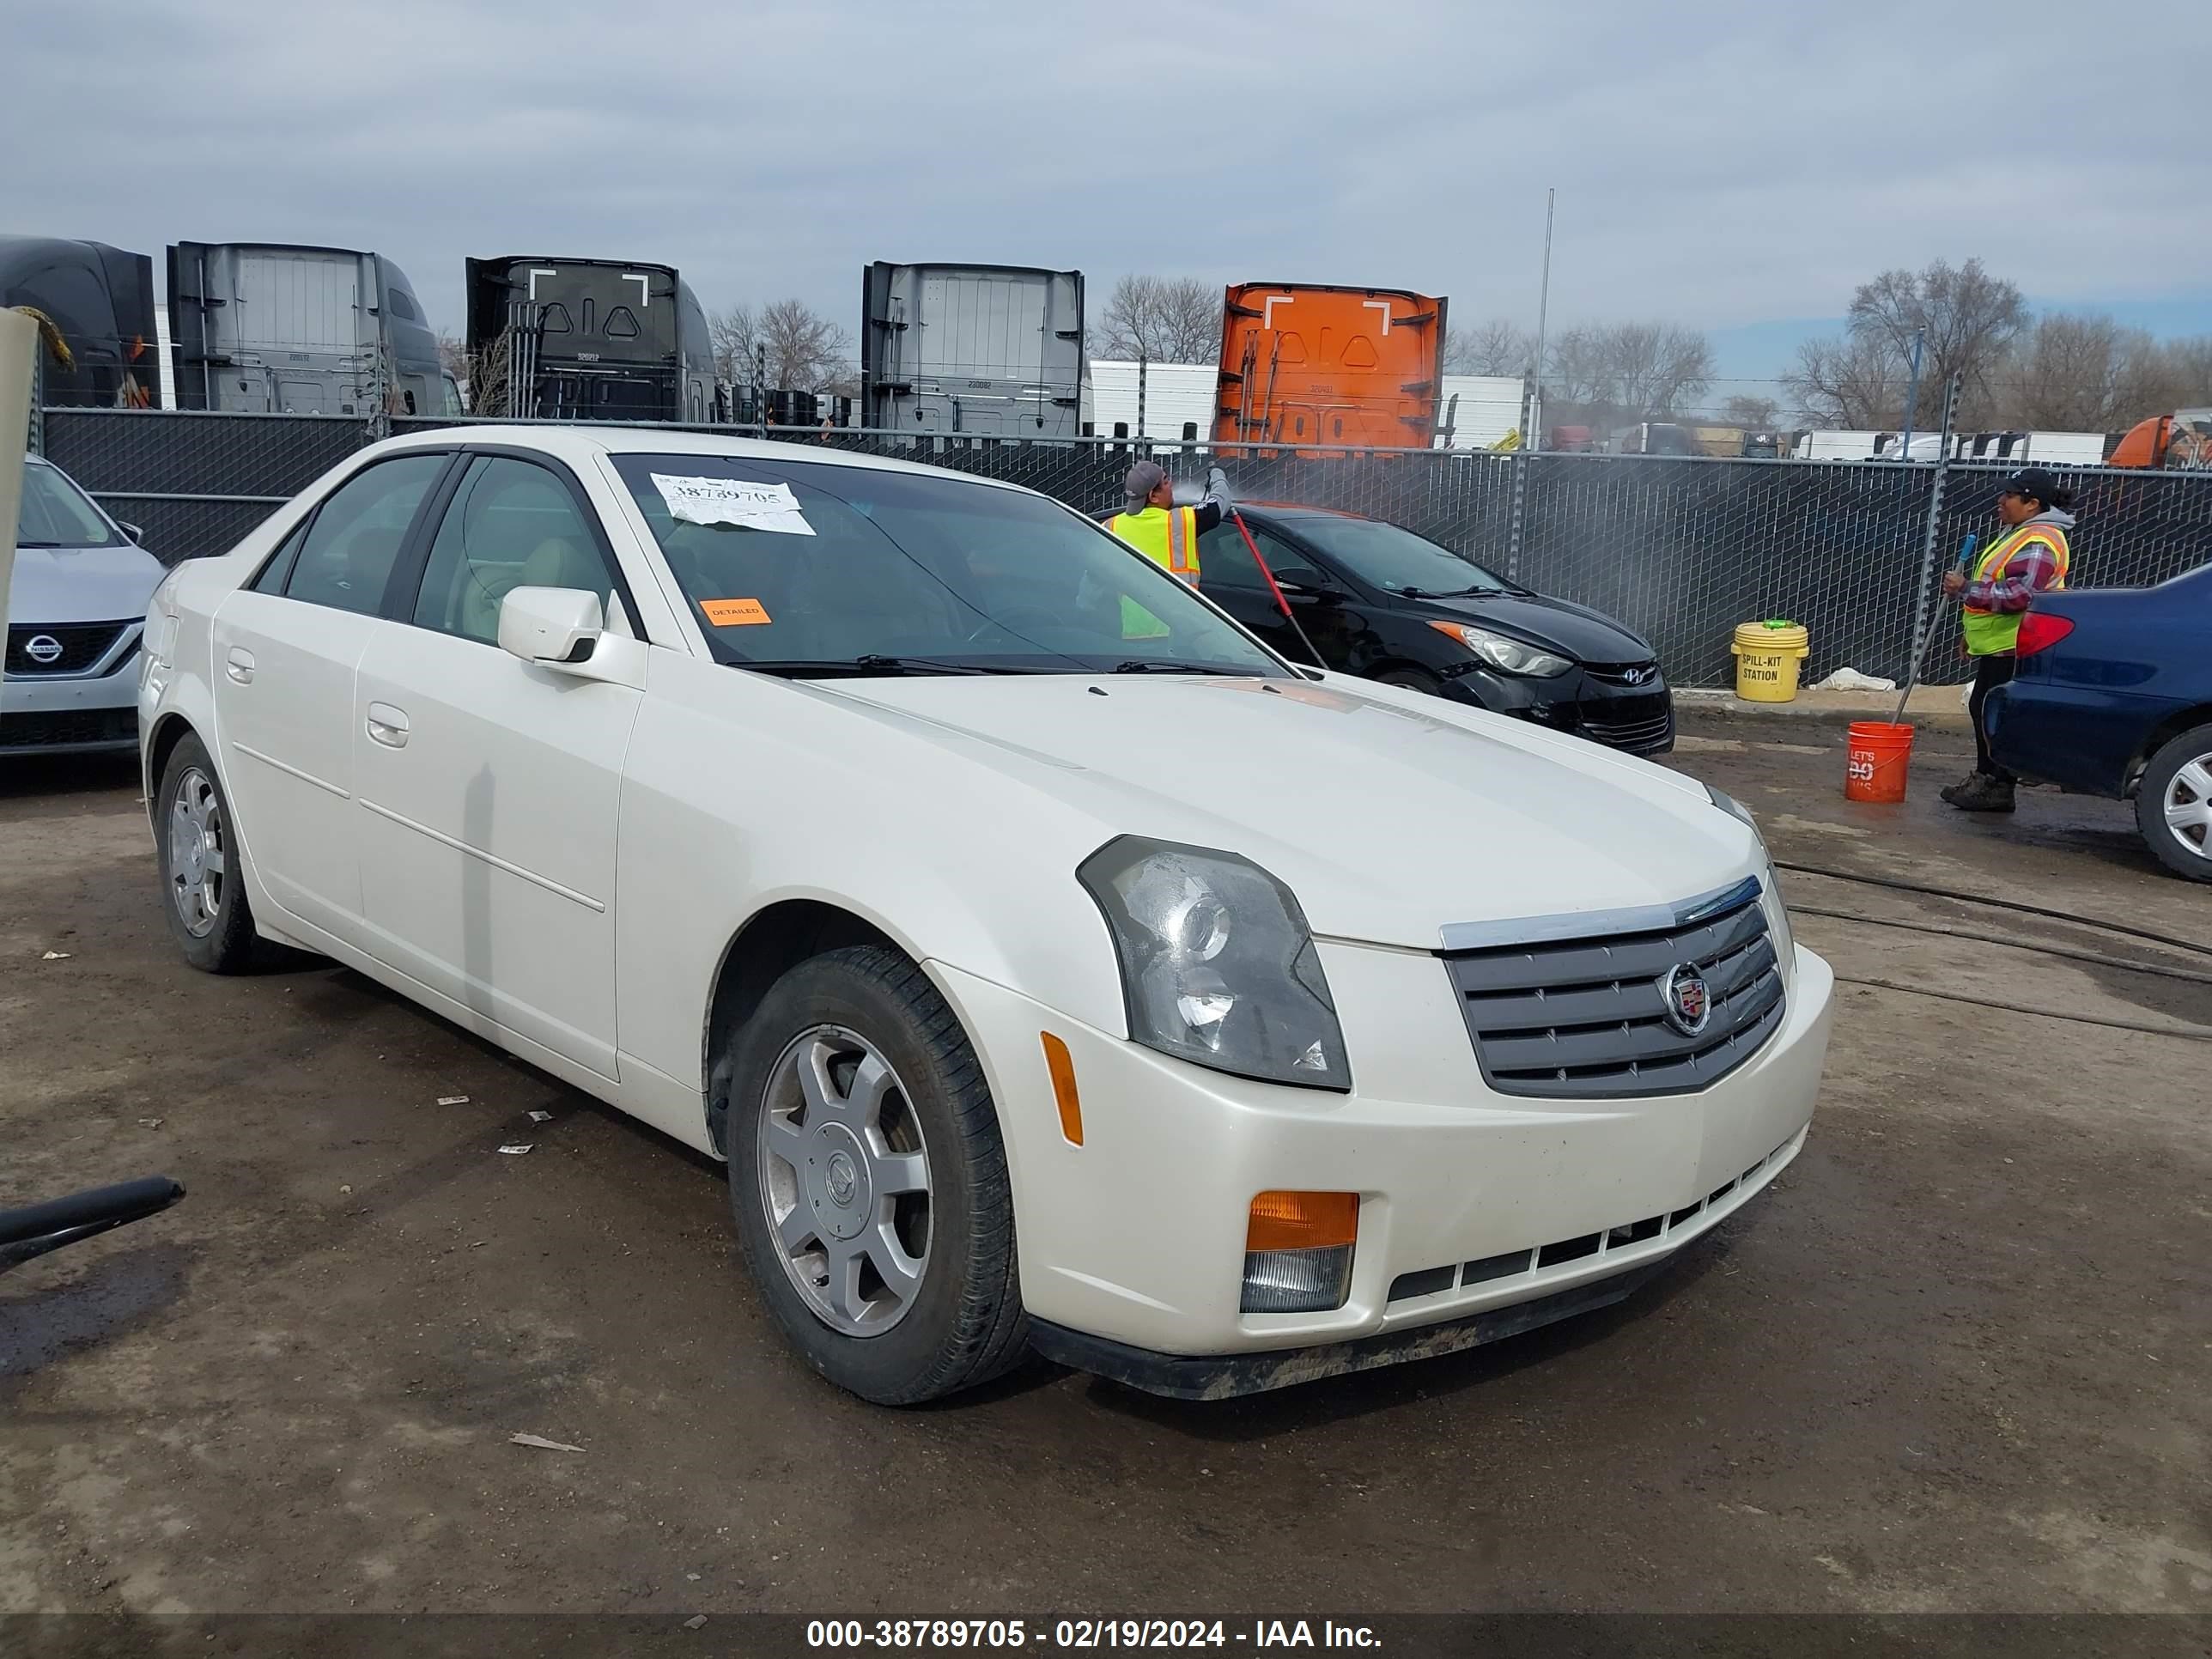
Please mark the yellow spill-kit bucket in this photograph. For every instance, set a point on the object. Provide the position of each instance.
(1768, 655)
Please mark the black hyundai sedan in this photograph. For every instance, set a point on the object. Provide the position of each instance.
(1380, 601)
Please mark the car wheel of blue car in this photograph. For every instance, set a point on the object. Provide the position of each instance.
(2173, 808)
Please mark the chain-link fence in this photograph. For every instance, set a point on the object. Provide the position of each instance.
(1681, 549)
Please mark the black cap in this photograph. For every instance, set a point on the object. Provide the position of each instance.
(2034, 482)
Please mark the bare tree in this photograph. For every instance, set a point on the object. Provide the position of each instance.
(1604, 373)
(453, 354)
(2085, 372)
(2191, 364)
(806, 352)
(1755, 414)
(733, 333)
(1970, 319)
(1166, 319)
(1857, 382)
(1496, 347)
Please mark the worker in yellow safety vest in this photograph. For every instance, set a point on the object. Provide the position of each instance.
(1151, 522)
(2030, 558)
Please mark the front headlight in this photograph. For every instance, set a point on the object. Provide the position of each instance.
(1500, 651)
(1217, 965)
(160, 636)
(1777, 913)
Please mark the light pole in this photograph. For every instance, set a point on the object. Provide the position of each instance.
(1529, 439)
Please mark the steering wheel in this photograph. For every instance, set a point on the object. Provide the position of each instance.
(1016, 622)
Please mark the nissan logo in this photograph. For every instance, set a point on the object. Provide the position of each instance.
(43, 648)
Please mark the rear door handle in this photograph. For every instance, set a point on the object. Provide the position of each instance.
(387, 724)
(240, 665)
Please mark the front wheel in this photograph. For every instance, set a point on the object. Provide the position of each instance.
(1413, 679)
(868, 1180)
(204, 894)
(2173, 808)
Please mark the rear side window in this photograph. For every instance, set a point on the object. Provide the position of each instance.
(346, 561)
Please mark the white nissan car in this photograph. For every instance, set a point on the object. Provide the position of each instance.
(1183, 1015)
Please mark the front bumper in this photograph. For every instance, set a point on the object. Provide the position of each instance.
(96, 709)
(1470, 1202)
(1638, 720)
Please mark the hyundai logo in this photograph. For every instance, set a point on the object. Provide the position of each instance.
(1688, 1004)
(1637, 676)
(43, 648)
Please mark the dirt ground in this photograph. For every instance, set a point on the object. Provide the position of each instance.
(1956, 1359)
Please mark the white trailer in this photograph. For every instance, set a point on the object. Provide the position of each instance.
(1474, 412)
(1178, 400)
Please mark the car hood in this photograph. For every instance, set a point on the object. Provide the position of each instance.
(82, 584)
(1390, 814)
(1586, 635)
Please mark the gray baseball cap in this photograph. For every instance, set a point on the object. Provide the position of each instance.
(1142, 480)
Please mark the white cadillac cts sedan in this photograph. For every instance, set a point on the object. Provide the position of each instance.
(1188, 1017)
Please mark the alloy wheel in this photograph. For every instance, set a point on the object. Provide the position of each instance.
(844, 1179)
(199, 853)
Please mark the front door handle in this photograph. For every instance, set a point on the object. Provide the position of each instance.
(387, 724)
(240, 665)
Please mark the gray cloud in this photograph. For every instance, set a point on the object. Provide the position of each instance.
(1722, 165)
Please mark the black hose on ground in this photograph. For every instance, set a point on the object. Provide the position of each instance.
(2089, 957)
(2014, 905)
(1982, 1003)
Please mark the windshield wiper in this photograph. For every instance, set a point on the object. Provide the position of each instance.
(20, 542)
(1447, 593)
(1162, 666)
(874, 662)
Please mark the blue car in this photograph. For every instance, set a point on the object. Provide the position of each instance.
(2114, 697)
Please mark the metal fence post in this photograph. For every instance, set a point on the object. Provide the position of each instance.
(1925, 617)
(1523, 459)
(36, 441)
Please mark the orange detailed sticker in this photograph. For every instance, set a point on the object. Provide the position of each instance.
(734, 613)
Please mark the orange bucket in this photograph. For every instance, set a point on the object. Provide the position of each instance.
(1877, 757)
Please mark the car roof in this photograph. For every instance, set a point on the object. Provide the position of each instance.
(1297, 510)
(574, 442)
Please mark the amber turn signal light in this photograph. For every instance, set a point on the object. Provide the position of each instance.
(1302, 1221)
(1061, 1065)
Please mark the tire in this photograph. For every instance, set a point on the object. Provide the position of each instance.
(899, 1293)
(2173, 806)
(203, 898)
(1413, 679)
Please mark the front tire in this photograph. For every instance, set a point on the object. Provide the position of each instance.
(203, 889)
(868, 1180)
(2173, 806)
(1413, 679)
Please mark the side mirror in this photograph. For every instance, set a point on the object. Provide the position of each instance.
(131, 530)
(1298, 579)
(552, 626)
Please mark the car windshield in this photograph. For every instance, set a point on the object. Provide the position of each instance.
(56, 513)
(809, 567)
(1397, 561)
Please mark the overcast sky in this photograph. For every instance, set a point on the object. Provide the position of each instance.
(1735, 167)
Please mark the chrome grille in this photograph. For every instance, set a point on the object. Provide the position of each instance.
(1623, 673)
(1575, 1015)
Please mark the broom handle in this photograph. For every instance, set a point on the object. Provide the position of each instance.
(1920, 656)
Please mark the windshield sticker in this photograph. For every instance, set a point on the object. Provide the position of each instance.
(734, 613)
(737, 501)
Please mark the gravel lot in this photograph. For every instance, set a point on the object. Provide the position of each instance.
(1956, 1359)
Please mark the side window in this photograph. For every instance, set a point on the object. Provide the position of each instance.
(275, 574)
(346, 560)
(510, 525)
(1223, 561)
